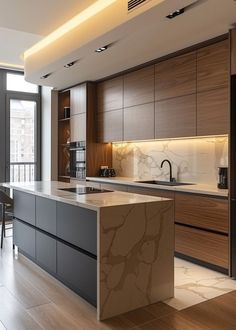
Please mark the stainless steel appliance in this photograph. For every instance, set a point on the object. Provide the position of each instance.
(78, 160)
(222, 177)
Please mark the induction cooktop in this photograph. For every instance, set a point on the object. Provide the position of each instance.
(85, 190)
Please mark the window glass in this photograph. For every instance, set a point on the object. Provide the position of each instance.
(16, 82)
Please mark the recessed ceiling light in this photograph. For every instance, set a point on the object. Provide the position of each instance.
(101, 49)
(45, 76)
(68, 65)
(175, 13)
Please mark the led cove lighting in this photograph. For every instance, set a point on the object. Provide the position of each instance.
(73, 23)
(10, 65)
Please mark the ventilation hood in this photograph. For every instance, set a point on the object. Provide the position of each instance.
(131, 30)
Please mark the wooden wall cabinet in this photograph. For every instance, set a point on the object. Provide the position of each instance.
(78, 127)
(175, 117)
(110, 95)
(213, 66)
(78, 100)
(212, 112)
(139, 87)
(139, 122)
(175, 77)
(110, 126)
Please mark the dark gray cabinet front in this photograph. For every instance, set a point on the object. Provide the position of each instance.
(78, 271)
(46, 214)
(77, 226)
(24, 238)
(46, 251)
(24, 207)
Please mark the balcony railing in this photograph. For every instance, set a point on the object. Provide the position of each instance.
(22, 171)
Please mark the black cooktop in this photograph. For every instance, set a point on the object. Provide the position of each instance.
(85, 190)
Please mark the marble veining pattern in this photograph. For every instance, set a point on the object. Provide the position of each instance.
(194, 160)
(136, 263)
(195, 284)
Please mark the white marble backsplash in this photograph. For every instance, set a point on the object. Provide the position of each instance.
(193, 160)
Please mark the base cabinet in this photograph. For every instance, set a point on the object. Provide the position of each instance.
(46, 251)
(78, 271)
(24, 238)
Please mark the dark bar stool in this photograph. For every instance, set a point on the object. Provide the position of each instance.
(6, 203)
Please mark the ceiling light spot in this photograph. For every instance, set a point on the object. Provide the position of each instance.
(101, 49)
(45, 76)
(68, 65)
(175, 13)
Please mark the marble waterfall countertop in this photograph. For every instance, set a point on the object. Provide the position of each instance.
(196, 188)
(94, 201)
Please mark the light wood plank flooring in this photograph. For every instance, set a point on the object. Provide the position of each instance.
(32, 299)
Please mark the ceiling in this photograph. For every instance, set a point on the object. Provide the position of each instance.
(144, 37)
(25, 22)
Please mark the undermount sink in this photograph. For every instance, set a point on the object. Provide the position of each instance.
(165, 183)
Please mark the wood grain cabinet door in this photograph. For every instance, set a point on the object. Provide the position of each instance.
(212, 112)
(78, 127)
(110, 95)
(110, 126)
(139, 122)
(213, 66)
(176, 117)
(175, 77)
(203, 212)
(139, 87)
(78, 99)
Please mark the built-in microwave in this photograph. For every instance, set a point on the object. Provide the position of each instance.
(78, 160)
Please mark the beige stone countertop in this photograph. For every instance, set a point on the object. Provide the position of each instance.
(196, 188)
(94, 201)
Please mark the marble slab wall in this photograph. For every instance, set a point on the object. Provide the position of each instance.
(135, 256)
(194, 160)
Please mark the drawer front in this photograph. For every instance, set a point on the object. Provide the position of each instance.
(117, 187)
(77, 226)
(24, 238)
(46, 214)
(46, 251)
(202, 245)
(203, 212)
(152, 192)
(24, 207)
(78, 271)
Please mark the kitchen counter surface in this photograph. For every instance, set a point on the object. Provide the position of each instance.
(95, 201)
(194, 188)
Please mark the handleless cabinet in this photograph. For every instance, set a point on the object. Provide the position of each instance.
(24, 207)
(139, 87)
(213, 66)
(175, 77)
(110, 126)
(176, 117)
(46, 251)
(46, 214)
(110, 95)
(24, 238)
(139, 122)
(78, 99)
(78, 127)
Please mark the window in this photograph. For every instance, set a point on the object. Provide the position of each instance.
(16, 82)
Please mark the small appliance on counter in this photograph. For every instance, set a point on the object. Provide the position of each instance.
(105, 171)
(222, 177)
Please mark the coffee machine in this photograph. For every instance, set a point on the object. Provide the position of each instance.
(222, 177)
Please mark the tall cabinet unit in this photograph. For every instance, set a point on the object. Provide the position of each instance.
(63, 137)
(80, 127)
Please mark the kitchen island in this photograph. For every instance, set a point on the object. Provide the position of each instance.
(114, 249)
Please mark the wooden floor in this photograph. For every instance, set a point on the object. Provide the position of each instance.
(31, 299)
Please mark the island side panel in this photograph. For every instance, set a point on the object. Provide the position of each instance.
(135, 256)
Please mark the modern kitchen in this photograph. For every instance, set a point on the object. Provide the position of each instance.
(124, 217)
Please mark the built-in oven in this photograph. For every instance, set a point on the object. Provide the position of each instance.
(78, 160)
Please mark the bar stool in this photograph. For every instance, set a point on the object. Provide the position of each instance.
(7, 204)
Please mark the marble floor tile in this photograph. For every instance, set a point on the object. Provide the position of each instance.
(195, 284)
